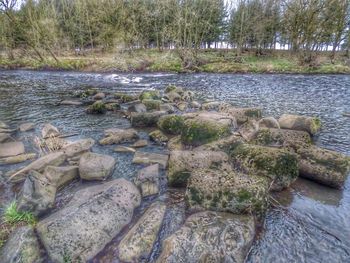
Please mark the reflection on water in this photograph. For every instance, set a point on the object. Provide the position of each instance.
(314, 226)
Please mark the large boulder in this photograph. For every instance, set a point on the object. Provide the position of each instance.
(78, 147)
(54, 159)
(151, 158)
(94, 166)
(241, 114)
(171, 124)
(205, 127)
(210, 237)
(8, 149)
(93, 217)
(183, 163)
(227, 191)
(139, 241)
(147, 180)
(281, 137)
(22, 247)
(323, 166)
(115, 136)
(279, 165)
(49, 131)
(146, 119)
(311, 125)
(37, 195)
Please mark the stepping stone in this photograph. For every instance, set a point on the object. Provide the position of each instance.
(151, 158)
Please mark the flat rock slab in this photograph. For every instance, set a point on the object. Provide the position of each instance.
(22, 247)
(94, 166)
(140, 144)
(151, 158)
(93, 217)
(124, 149)
(18, 158)
(210, 237)
(26, 126)
(11, 149)
(71, 102)
(138, 242)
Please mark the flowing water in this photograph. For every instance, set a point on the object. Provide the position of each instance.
(314, 223)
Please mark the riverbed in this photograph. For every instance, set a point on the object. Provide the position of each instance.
(312, 223)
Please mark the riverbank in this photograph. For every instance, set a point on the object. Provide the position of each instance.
(216, 61)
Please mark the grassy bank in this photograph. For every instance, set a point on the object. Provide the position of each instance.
(216, 61)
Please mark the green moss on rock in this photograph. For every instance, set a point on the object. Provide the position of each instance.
(152, 104)
(124, 98)
(171, 124)
(149, 95)
(97, 107)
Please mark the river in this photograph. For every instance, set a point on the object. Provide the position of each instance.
(314, 223)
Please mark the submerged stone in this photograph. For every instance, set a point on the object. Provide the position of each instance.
(227, 191)
(139, 241)
(93, 217)
(311, 125)
(210, 237)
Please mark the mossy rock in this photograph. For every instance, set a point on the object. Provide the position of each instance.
(200, 131)
(146, 119)
(112, 106)
(124, 98)
(158, 137)
(227, 191)
(281, 137)
(88, 93)
(152, 104)
(311, 125)
(171, 124)
(241, 114)
(323, 166)
(278, 165)
(173, 88)
(149, 95)
(98, 107)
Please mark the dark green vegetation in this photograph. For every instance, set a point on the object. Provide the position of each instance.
(173, 35)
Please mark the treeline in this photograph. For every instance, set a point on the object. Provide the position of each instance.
(48, 27)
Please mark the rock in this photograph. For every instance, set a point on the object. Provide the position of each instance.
(281, 137)
(139, 107)
(150, 95)
(78, 147)
(124, 98)
(152, 104)
(249, 130)
(227, 191)
(169, 108)
(99, 96)
(3, 125)
(174, 88)
(8, 149)
(182, 106)
(5, 137)
(93, 217)
(225, 144)
(49, 131)
(158, 137)
(311, 125)
(115, 136)
(323, 166)
(146, 119)
(183, 163)
(205, 127)
(113, 106)
(148, 180)
(151, 158)
(175, 143)
(210, 237)
(187, 95)
(94, 166)
(171, 124)
(269, 122)
(124, 149)
(71, 103)
(139, 241)
(37, 195)
(5, 130)
(89, 92)
(140, 144)
(98, 107)
(241, 114)
(195, 104)
(18, 158)
(278, 165)
(172, 96)
(54, 159)
(61, 176)
(22, 247)
(26, 126)
(212, 105)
